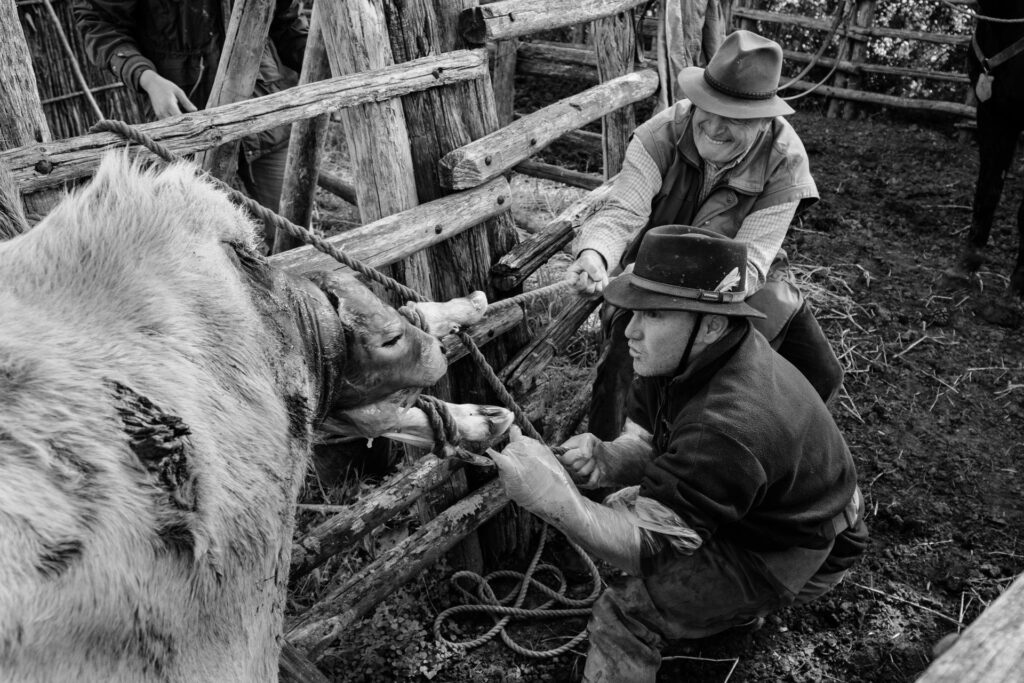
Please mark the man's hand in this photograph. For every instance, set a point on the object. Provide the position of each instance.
(532, 475)
(588, 274)
(167, 98)
(583, 459)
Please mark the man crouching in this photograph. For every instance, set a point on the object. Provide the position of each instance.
(737, 495)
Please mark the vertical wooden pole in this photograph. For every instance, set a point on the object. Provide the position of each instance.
(865, 16)
(615, 45)
(503, 79)
(237, 71)
(22, 121)
(306, 144)
(440, 120)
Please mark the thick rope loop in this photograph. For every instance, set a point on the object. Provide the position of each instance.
(485, 602)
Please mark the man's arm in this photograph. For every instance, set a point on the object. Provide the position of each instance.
(603, 238)
(108, 32)
(619, 463)
(764, 231)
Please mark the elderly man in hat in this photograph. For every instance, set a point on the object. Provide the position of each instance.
(726, 160)
(737, 494)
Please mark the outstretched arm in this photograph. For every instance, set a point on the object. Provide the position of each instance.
(108, 31)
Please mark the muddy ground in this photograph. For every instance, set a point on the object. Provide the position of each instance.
(932, 412)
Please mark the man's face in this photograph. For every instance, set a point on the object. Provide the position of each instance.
(657, 340)
(721, 140)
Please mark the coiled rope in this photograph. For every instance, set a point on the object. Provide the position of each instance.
(444, 425)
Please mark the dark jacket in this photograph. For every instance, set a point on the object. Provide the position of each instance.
(182, 40)
(748, 450)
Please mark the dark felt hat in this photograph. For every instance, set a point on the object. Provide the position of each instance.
(680, 268)
(740, 81)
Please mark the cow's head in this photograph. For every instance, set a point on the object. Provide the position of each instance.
(380, 352)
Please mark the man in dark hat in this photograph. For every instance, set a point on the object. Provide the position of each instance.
(737, 494)
(726, 160)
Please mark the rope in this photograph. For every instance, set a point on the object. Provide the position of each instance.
(487, 603)
(844, 14)
(437, 413)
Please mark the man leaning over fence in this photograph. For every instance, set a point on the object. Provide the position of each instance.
(726, 160)
(170, 49)
(737, 493)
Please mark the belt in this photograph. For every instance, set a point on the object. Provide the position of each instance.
(847, 519)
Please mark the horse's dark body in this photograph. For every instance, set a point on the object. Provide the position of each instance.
(1000, 122)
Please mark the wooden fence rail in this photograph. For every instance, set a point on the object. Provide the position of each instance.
(49, 164)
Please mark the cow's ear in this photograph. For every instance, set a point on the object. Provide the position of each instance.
(160, 442)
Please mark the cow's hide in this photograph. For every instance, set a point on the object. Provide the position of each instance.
(155, 420)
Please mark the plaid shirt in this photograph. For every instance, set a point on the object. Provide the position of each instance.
(628, 208)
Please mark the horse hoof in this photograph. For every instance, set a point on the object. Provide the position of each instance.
(971, 259)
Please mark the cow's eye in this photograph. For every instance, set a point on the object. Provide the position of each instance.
(394, 340)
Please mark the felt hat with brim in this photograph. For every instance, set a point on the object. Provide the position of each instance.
(740, 81)
(680, 268)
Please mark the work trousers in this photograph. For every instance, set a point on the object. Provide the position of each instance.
(803, 343)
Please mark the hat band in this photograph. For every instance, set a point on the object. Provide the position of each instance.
(687, 292)
(726, 90)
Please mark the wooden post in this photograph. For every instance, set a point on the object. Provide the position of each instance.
(237, 71)
(22, 121)
(305, 146)
(441, 120)
(615, 46)
(865, 16)
(503, 78)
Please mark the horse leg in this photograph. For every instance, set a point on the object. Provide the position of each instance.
(997, 142)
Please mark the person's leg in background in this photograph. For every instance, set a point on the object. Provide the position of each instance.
(806, 347)
(264, 180)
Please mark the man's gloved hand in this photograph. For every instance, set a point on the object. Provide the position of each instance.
(532, 476)
(583, 459)
(588, 274)
(167, 98)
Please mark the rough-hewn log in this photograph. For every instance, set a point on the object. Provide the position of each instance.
(955, 108)
(399, 235)
(22, 121)
(863, 17)
(514, 18)
(860, 32)
(615, 46)
(539, 169)
(494, 154)
(396, 493)
(305, 145)
(293, 667)
(533, 252)
(575, 73)
(338, 186)
(503, 77)
(989, 651)
(364, 590)
(522, 371)
(237, 69)
(48, 164)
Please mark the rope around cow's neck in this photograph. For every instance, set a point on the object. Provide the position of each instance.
(299, 232)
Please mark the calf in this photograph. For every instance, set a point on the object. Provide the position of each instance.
(159, 386)
(999, 83)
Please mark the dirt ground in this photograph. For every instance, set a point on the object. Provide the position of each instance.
(933, 412)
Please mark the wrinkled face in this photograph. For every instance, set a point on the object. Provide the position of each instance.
(384, 353)
(721, 140)
(657, 340)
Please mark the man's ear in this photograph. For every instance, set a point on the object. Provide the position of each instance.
(715, 326)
